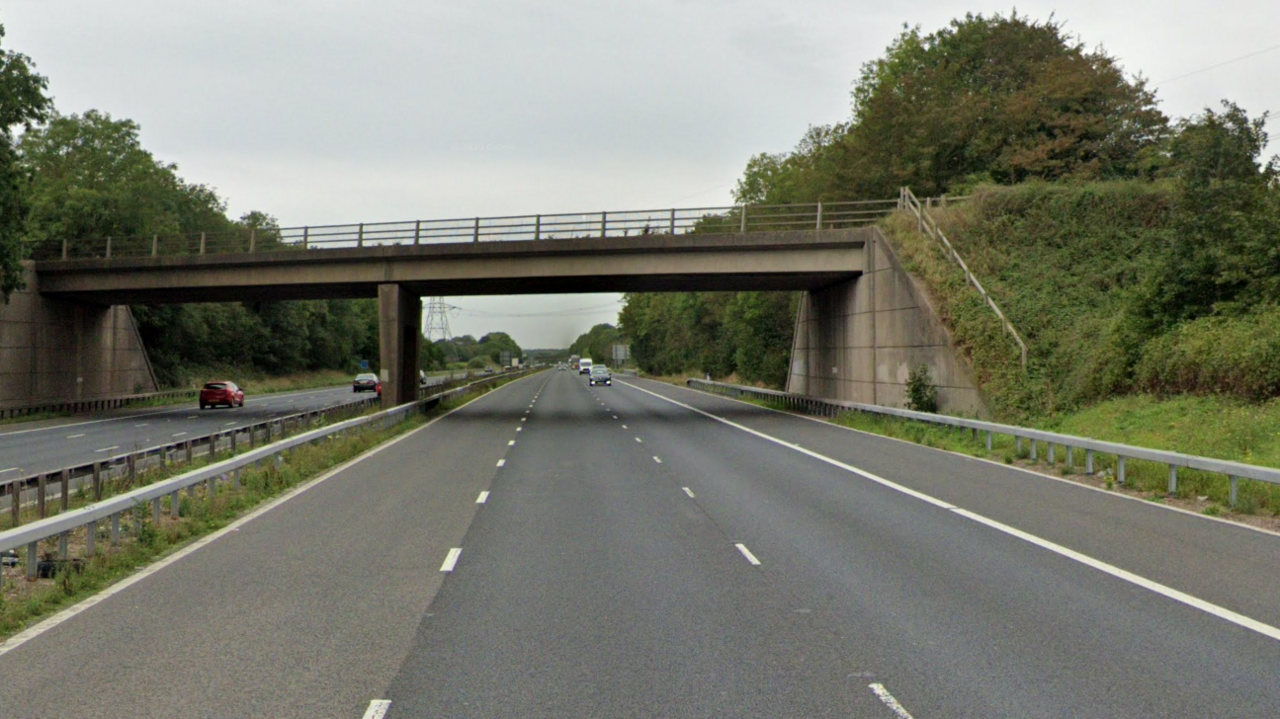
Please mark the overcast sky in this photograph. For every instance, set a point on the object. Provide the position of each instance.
(325, 111)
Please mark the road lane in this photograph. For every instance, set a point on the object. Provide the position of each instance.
(570, 574)
(304, 612)
(28, 450)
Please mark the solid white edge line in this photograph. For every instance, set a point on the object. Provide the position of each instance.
(36, 630)
(688, 492)
(888, 700)
(1164, 590)
(747, 553)
(377, 709)
(484, 497)
(451, 560)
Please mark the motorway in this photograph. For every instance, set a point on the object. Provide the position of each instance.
(26, 449)
(642, 550)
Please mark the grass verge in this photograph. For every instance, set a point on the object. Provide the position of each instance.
(143, 540)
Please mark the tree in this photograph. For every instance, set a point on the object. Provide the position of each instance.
(93, 179)
(997, 98)
(23, 102)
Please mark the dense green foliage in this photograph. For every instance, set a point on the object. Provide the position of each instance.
(1001, 99)
(23, 102)
(747, 334)
(597, 344)
(466, 349)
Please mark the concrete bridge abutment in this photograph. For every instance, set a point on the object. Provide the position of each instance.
(858, 340)
(59, 350)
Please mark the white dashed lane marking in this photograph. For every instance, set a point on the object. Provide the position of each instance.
(688, 492)
(747, 553)
(484, 497)
(451, 560)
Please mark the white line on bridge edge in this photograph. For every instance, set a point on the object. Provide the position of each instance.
(747, 553)
(501, 462)
(655, 458)
(884, 695)
(1223, 613)
(688, 492)
(377, 709)
(451, 560)
(74, 436)
(11, 469)
(484, 497)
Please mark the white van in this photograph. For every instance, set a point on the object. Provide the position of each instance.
(584, 365)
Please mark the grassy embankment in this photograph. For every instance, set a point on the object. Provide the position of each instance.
(1063, 261)
(143, 541)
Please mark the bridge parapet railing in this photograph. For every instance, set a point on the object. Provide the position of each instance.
(624, 223)
(1070, 443)
(267, 440)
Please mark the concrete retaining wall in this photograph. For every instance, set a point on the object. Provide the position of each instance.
(858, 340)
(57, 350)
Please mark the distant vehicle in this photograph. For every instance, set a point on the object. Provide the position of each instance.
(216, 393)
(366, 382)
(599, 375)
(562, 367)
(584, 365)
(422, 379)
(489, 370)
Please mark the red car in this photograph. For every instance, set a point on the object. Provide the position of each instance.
(216, 393)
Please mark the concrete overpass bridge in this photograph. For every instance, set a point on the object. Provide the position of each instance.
(822, 250)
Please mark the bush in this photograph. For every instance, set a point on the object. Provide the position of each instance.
(922, 396)
(1237, 356)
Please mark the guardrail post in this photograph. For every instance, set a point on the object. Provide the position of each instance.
(175, 502)
(15, 500)
(1231, 498)
(90, 538)
(306, 237)
(187, 450)
(155, 511)
(673, 222)
(1088, 462)
(417, 231)
(537, 227)
(62, 545)
(360, 236)
(64, 248)
(1017, 447)
(1033, 450)
(1051, 453)
(235, 478)
(988, 440)
(1119, 469)
(742, 221)
(819, 225)
(253, 239)
(108, 248)
(475, 236)
(40, 492)
(1173, 479)
(115, 529)
(33, 550)
(155, 245)
(202, 243)
(604, 224)
(65, 500)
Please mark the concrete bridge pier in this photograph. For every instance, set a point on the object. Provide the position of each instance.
(399, 330)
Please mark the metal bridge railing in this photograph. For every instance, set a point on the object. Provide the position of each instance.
(626, 223)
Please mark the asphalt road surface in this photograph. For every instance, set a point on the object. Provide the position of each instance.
(26, 449)
(554, 550)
